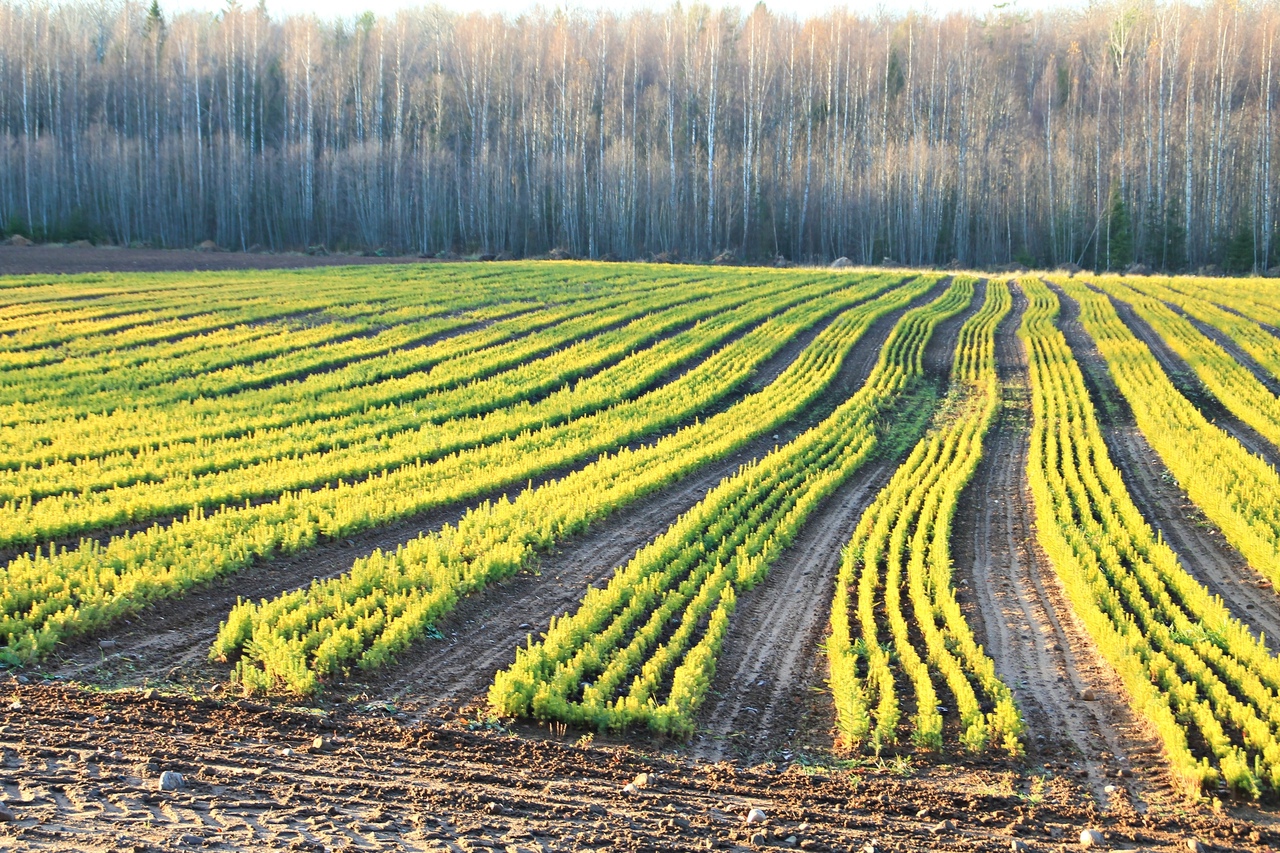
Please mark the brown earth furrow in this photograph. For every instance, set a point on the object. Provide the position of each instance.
(483, 632)
(771, 659)
(1013, 599)
(1201, 548)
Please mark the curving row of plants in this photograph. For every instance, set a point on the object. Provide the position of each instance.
(1237, 490)
(895, 617)
(489, 410)
(366, 616)
(350, 390)
(1227, 379)
(642, 649)
(1203, 681)
(45, 596)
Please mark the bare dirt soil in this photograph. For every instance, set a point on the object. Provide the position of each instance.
(69, 260)
(81, 771)
(1011, 595)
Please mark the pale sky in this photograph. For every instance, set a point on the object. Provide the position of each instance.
(797, 8)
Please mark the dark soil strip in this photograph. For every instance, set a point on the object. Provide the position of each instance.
(1020, 614)
(1201, 548)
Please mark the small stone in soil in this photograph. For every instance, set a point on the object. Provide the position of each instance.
(1017, 845)
(171, 780)
(944, 826)
(6, 814)
(1087, 695)
(1195, 846)
(1091, 838)
(756, 816)
(641, 780)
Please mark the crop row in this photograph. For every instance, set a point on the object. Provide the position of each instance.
(149, 327)
(365, 384)
(369, 341)
(1237, 490)
(1204, 682)
(444, 423)
(896, 575)
(387, 600)
(642, 650)
(1255, 341)
(44, 597)
(81, 319)
(1227, 379)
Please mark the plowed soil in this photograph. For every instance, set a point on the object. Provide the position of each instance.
(1020, 612)
(768, 698)
(80, 771)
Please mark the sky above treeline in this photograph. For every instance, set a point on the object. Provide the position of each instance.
(796, 8)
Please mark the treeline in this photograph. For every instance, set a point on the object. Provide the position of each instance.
(1121, 133)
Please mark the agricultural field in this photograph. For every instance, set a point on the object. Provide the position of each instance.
(571, 555)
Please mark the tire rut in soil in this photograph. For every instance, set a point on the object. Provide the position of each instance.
(484, 630)
(1201, 548)
(1020, 614)
(767, 695)
(168, 641)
